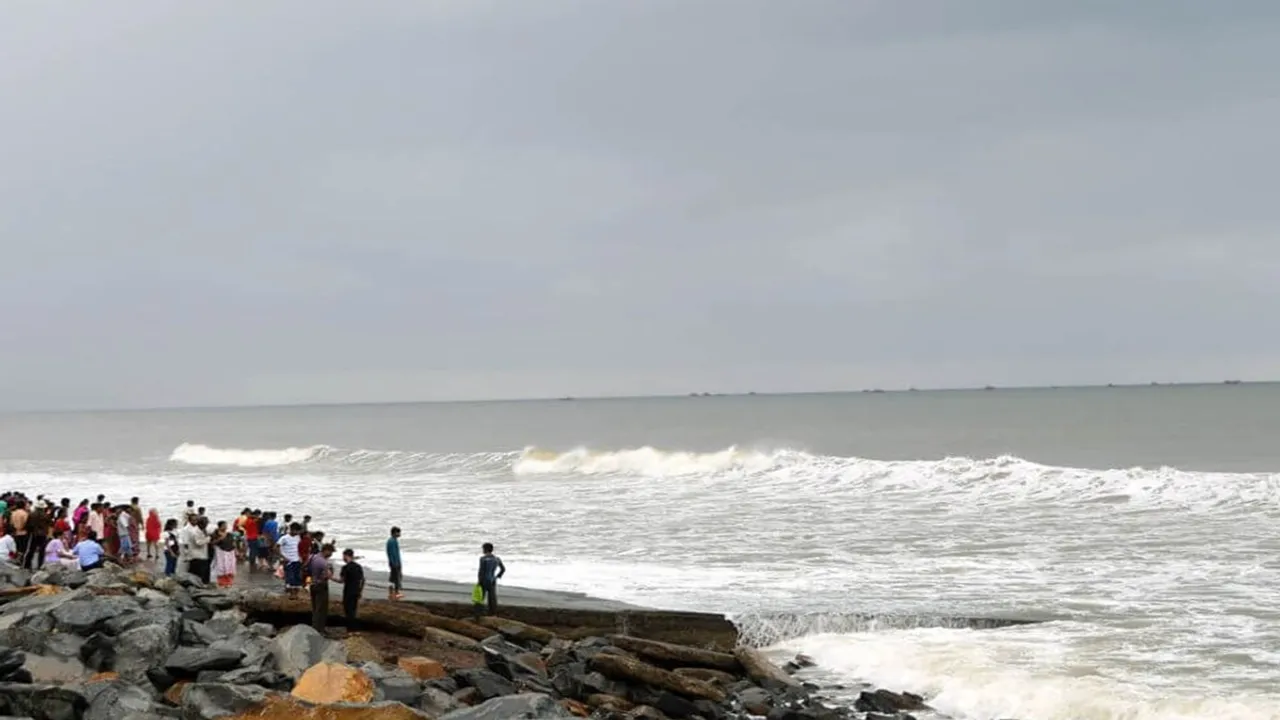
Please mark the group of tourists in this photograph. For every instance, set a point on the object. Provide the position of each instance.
(40, 532)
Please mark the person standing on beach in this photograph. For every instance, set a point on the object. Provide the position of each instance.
(125, 531)
(395, 576)
(491, 570)
(172, 548)
(39, 523)
(352, 578)
(292, 559)
(18, 518)
(200, 549)
(318, 573)
(153, 535)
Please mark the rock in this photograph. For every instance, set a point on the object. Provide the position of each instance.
(209, 701)
(717, 677)
(98, 652)
(888, 702)
(644, 712)
(29, 632)
(300, 647)
(269, 679)
(263, 630)
(436, 702)
(526, 706)
(63, 645)
(675, 706)
(488, 683)
(325, 683)
(116, 700)
(173, 695)
(141, 649)
(761, 669)
(756, 701)
(60, 575)
(287, 708)
(676, 655)
(398, 688)
(437, 636)
(189, 661)
(468, 696)
(86, 615)
(162, 680)
(55, 670)
(610, 703)
(12, 576)
(41, 702)
(10, 661)
(167, 618)
(575, 708)
(213, 601)
(359, 650)
(448, 685)
(517, 631)
(422, 668)
(620, 667)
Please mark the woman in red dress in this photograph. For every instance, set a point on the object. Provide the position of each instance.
(153, 535)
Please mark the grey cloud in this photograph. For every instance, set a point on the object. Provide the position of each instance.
(207, 204)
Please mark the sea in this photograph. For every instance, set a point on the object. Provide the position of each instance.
(1135, 529)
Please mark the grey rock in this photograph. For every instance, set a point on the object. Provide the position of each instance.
(42, 702)
(12, 576)
(60, 575)
(270, 679)
(55, 670)
(141, 649)
(524, 707)
(194, 633)
(675, 706)
(87, 615)
(167, 619)
(98, 652)
(444, 684)
(399, 689)
(488, 683)
(300, 647)
(63, 645)
(436, 702)
(117, 700)
(263, 630)
(213, 600)
(30, 632)
(189, 661)
(209, 701)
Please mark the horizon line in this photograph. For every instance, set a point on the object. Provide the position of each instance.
(697, 395)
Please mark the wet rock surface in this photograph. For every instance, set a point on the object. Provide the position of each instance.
(123, 644)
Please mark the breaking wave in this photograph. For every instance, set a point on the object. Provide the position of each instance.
(757, 629)
(1007, 480)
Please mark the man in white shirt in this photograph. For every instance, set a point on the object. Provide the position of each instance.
(292, 559)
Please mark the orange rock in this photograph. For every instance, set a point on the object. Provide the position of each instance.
(103, 677)
(173, 695)
(576, 708)
(286, 708)
(422, 668)
(334, 683)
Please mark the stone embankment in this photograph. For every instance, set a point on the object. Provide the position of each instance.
(120, 644)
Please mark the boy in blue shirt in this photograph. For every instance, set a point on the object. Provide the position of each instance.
(395, 577)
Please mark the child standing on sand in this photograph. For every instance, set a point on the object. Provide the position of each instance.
(491, 569)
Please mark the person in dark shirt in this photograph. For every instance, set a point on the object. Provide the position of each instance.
(318, 572)
(491, 569)
(352, 578)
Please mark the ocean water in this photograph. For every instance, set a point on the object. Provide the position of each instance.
(1139, 525)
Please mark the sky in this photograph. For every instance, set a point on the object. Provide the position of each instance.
(294, 202)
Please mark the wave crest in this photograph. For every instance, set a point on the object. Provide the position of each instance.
(648, 461)
(197, 454)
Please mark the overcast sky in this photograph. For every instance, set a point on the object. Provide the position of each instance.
(227, 203)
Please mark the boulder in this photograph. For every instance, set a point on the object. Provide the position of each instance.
(487, 683)
(167, 618)
(437, 636)
(41, 702)
(63, 645)
(436, 702)
(761, 669)
(676, 655)
(12, 576)
(513, 707)
(29, 632)
(888, 702)
(718, 677)
(398, 688)
(609, 703)
(517, 631)
(86, 615)
(115, 700)
(621, 667)
(332, 683)
(211, 701)
(55, 670)
(300, 647)
(287, 708)
(60, 575)
(190, 661)
(422, 668)
(141, 649)
(756, 701)
(359, 649)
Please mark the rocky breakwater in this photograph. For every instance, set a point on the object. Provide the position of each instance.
(119, 644)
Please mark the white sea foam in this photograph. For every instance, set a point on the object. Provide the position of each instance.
(196, 454)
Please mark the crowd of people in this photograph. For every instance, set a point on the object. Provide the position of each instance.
(40, 532)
